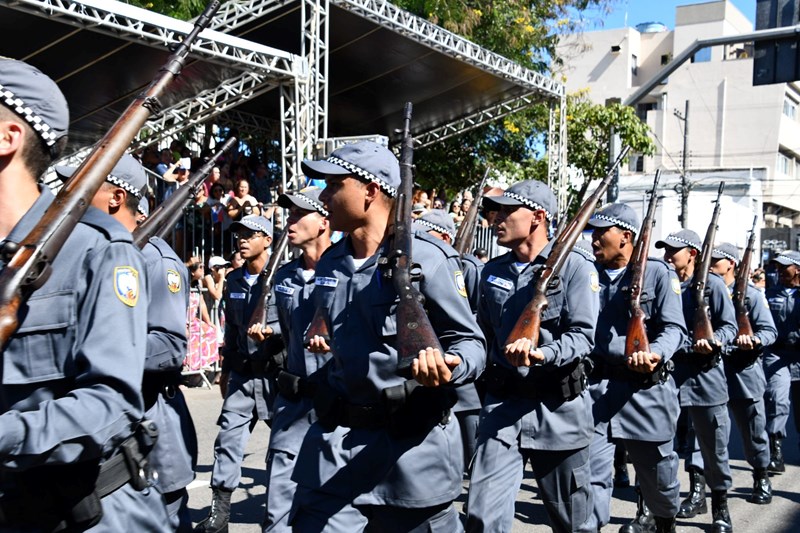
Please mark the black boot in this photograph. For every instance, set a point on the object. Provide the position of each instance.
(719, 512)
(695, 502)
(762, 488)
(219, 514)
(644, 522)
(665, 525)
(776, 463)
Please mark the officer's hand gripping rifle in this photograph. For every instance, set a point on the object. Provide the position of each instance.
(260, 312)
(466, 231)
(529, 322)
(636, 338)
(29, 266)
(703, 330)
(166, 215)
(414, 330)
(741, 283)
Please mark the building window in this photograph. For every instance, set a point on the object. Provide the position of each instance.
(642, 109)
(785, 165)
(665, 59)
(702, 56)
(634, 65)
(790, 108)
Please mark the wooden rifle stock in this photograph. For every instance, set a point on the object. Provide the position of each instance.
(636, 338)
(166, 215)
(741, 283)
(466, 231)
(414, 330)
(260, 312)
(529, 322)
(703, 329)
(30, 264)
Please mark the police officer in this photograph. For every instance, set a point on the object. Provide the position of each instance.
(438, 223)
(782, 359)
(71, 446)
(635, 398)
(701, 379)
(248, 368)
(175, 454)
(536, 408)
(745, 375)
(384, 452)
(309, 231)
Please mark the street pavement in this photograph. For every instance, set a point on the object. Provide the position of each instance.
(782, 516)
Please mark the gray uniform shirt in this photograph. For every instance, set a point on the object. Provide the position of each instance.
(648, 414)
(750, 383)
(786, 315)
(295, 305)
(567, 334)
(72, 372)
(370, 466)
(700, 387)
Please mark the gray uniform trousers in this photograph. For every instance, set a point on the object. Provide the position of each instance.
(776, 396)
(708, 438)
(656, 467)
(239, 415)
(562, 477)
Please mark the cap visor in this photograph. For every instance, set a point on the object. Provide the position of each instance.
(668, 243)
(597, 223)
(64, 172)
(320, 169)
(288, 200)
(785, 261)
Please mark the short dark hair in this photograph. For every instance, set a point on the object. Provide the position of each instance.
(36, 155)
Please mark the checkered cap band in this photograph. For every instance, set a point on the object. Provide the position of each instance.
(315, 204)
(530, 203)
(726, 255)
(793, 261)
(35, 121)
(684, 241)
(434, 227)
(616, 222)
(388, 189)
(125, 185)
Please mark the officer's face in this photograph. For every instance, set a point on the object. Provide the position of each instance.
(304, 226)
(608, 243)
(788, 275)
(721, 266)
(678, 257)
(251, 243)
(344, 197)
(514, 223)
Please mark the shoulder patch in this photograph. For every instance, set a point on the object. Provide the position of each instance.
(126, 285)
(676, 285)
(173, 281)
(461, 286)
(594, 281)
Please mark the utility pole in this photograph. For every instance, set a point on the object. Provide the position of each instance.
(684, 187)
(612, 194)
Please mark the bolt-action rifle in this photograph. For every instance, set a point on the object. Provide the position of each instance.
(260, 312)
(166, 215)
(30, 263)
(466, 231)
(741, 283)
(703, 330)
(529, 322)
(636, 338)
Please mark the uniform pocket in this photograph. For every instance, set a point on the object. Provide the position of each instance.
(41, 346)
(384, 317)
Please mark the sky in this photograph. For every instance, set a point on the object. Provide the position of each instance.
(659, 11)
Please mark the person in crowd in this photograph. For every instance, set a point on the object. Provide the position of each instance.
(242, 203)
(203, 348)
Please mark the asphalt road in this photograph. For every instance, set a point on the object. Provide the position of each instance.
(782, 516)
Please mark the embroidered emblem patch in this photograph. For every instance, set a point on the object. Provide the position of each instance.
(676, 286)
(594, 282)
(173, 281)
(126, 285)
(461, 286)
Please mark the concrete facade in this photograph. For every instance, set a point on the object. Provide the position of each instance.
(733, 126)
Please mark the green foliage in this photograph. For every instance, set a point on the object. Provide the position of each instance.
(179, 9)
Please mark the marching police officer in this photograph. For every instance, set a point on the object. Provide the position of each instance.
(782, 359)
(745, 375)
(293, 287)
(701, 378)
(175, 453)
(438, 223)
(635, 398)
(248, 368)
(384, 453)
(536, 408)
(71, 446)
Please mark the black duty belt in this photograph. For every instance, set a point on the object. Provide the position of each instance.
(704, 362)
(603, 370)
(738, 360)
(295, 388)
(564, 383)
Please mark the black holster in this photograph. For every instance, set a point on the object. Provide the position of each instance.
(564, 383)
